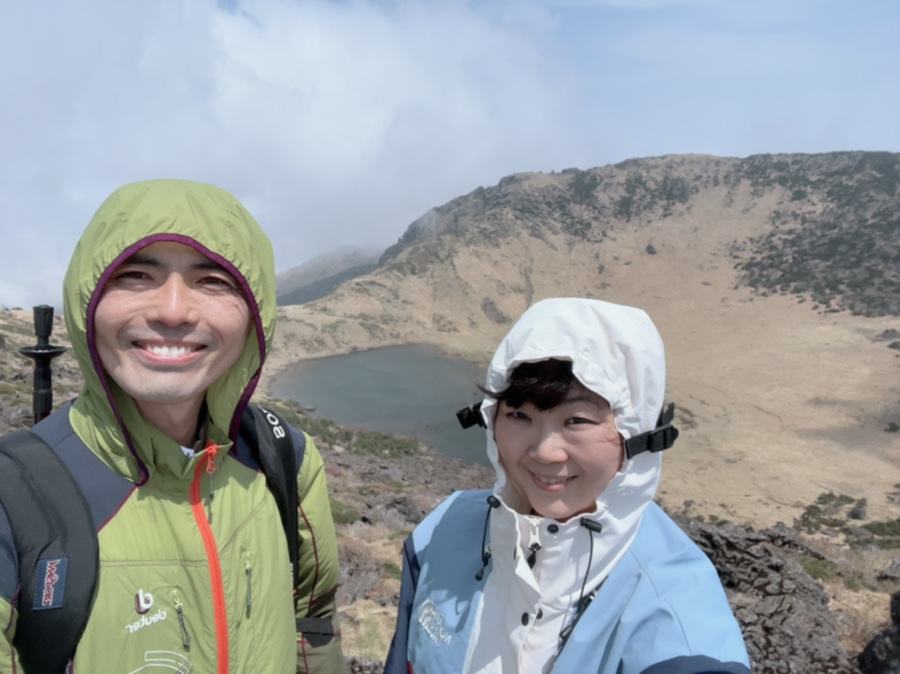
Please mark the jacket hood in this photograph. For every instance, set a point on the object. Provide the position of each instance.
(617, 353)
(214, 223)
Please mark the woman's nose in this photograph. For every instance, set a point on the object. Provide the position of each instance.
(549, 447)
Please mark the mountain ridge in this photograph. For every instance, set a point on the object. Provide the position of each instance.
(701, 243)
(318, 277)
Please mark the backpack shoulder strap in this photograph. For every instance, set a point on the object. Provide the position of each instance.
(56, 548)
(270, 440)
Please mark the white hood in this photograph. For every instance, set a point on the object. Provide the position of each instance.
(617, 353)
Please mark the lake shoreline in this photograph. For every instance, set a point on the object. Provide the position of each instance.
(278, 363)
(408, 390)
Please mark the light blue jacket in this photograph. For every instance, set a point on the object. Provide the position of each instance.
(661, 610)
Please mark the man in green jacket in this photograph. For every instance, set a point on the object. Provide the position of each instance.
(170, 309)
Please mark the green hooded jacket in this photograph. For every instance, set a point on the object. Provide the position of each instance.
(194, 569)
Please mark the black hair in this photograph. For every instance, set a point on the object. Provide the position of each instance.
(544, 384)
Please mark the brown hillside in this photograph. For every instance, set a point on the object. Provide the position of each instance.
(782, 395)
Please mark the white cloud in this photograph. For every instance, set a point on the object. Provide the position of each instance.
(336, 123)
(341, 122)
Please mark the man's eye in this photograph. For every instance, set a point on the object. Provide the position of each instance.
(218, 281)
(516, 414)
(131, 275)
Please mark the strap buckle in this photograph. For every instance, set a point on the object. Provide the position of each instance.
(660, 438)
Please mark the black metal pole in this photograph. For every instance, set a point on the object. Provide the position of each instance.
(42, 354)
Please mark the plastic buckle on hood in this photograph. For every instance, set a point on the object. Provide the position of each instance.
(470, 416)
(660, 438)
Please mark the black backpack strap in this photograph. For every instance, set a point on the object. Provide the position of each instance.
(56, 548)
(660, 438)
(270, 439)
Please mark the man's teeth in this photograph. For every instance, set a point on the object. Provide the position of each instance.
(169, 351)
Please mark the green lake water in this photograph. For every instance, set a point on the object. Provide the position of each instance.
(410, 390)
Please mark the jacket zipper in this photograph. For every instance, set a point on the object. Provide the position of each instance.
(179, 610)
(208, 462)
(248, 569)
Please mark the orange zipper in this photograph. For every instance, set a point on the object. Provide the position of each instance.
(212, 556)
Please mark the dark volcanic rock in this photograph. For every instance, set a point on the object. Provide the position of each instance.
(890, 573)
(782, 610)
(882, 654)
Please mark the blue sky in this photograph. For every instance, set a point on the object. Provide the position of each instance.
(340, 122)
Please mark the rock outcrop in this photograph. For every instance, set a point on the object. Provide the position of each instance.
(882, 655)
(782, 610)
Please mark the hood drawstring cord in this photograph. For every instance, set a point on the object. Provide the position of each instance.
(211, 450)
(583, 600)
(493, 502)
(535, 528)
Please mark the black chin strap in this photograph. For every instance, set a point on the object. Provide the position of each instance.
(660, 438)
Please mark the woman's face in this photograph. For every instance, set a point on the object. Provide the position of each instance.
(561, 459)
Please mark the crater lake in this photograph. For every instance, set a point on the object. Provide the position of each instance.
(412, 390)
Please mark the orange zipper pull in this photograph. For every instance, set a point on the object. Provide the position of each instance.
(212, 449)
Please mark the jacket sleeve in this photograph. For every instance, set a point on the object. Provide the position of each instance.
(318, 629)
(8, 662)
(396, 658)
(9, 583)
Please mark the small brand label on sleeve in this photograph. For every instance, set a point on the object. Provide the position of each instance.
(51, 583)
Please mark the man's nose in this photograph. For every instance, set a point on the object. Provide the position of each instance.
(174, 302)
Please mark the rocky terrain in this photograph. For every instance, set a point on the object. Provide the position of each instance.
(781, 581)
(773, 280)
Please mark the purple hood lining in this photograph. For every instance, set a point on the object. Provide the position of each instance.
(95, 356)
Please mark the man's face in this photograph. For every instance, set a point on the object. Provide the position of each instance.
(559, 460)
(169, 323)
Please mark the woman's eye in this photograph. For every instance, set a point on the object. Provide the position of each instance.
(580, 420)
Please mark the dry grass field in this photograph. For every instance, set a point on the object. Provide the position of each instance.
(778, 401)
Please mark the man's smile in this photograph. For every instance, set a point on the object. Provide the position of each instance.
(169, 350)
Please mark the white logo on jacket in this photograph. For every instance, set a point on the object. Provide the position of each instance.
(166, 660)
(147, 620)
(433, 623)
(143, 602)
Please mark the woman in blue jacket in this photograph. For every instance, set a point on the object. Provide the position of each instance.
(566, 565)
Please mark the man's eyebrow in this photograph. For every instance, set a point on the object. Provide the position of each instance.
(142, 258)
(151, 261)
(210, 265)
